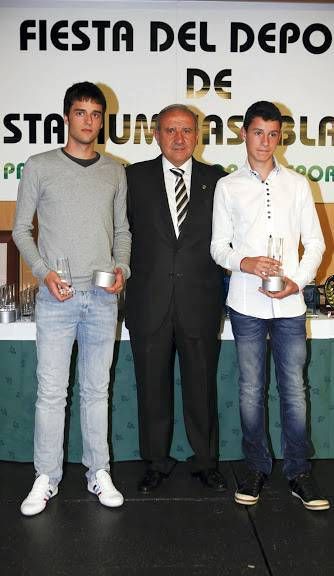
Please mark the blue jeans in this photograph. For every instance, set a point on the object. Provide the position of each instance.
(288, 344)
(90, 317)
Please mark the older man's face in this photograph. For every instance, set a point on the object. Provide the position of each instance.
(177, 136)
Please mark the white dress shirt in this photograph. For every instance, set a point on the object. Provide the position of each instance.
(170, 181)
(246, 212)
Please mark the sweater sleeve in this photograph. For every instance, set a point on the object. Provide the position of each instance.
(27, 201)
(122, 235)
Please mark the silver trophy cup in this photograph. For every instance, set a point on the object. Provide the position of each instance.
(103, 279)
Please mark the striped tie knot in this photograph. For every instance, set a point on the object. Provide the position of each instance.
(181, 196)
(178, 172)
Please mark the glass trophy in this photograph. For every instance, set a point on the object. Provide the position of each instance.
(274, 281)
(64, 272)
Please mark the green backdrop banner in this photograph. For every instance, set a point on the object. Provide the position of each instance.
(18, 393)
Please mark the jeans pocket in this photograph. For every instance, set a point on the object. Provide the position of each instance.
(104, 297)
(44, 294)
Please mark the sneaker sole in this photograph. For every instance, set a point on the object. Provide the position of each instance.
(246, 500)
(323, 505)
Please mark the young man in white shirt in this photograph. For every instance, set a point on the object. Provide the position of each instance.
(261, 200)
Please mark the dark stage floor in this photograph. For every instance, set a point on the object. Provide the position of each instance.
(183, 530)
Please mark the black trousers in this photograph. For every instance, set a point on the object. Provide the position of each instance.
(154, 358)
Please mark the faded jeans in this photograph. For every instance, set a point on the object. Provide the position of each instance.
(90, 317)
(288, 345)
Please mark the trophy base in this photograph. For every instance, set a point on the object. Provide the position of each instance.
(7, 316)
(273, 283)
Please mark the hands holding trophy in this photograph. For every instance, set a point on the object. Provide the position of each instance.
(274, 282)
(59, 279)
(64, 273)
(112, 282)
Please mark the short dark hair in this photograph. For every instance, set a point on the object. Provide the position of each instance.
(262, 109)
(83, 91)
(172, 107)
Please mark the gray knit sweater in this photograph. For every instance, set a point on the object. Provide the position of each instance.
(81, 214)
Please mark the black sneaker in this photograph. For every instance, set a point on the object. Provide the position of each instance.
(249, 491)
(304, 488)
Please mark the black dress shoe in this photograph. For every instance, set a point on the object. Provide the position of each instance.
(151, 480)
(211, 478)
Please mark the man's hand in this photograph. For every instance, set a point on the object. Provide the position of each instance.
(54, 283)
(290, 287)
(118, 285)
(259, 265)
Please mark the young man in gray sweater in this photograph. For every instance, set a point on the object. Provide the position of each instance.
(80, 199)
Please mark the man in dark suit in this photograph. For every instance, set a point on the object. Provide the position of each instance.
(174, 298)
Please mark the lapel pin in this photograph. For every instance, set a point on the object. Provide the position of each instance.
(203, 186)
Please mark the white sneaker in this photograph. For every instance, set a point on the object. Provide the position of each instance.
(104, 489)
(39, 496)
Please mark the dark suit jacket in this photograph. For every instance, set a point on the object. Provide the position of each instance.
(162, 264)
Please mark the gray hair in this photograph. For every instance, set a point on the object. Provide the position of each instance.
(172, 107)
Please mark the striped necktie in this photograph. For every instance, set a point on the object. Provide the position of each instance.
(181, 196)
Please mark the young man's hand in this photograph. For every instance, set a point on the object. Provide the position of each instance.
(290, 287)
(118, 285)
(54, 284)
(259, 265)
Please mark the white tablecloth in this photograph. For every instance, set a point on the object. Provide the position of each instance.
(320, 328)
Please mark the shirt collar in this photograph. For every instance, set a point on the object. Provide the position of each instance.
(167, 165)
(276, 169)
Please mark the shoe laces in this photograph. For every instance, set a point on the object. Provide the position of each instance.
(306, 483)
(41, 488)
(254, 480)
(104, 483)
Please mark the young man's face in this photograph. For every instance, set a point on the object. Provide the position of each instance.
(84, 121)
(177, 136)
(261, 138)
